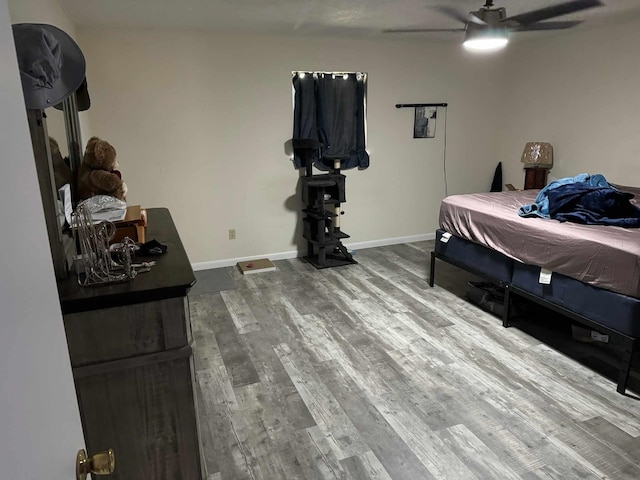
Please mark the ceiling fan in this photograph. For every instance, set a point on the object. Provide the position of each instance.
(488, 28)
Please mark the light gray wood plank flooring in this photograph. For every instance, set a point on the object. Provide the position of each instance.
(364, 372)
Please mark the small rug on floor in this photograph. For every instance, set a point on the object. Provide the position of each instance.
(212, 281)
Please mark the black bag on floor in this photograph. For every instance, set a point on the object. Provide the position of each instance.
(486, 295)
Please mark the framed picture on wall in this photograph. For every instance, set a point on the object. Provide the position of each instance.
(424, 123)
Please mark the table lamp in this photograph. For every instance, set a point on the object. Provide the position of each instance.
(538, 160)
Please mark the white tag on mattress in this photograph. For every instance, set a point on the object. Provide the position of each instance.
(445, 237)
(600, 337)
(545, 276)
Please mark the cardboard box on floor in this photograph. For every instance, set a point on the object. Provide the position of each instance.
(132, 226)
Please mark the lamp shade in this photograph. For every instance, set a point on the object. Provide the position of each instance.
(537, 154)
(485, 39)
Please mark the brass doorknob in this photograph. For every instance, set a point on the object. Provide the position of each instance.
(102, 463)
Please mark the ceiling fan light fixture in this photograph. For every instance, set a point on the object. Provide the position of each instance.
(486, 39)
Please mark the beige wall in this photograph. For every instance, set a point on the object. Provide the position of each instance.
(200, 121)
(581, 92)
(40, 11)
(38, 405)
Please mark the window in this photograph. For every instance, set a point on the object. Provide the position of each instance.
(331, 107)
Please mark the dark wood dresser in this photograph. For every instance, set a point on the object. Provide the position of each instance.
(130, 346)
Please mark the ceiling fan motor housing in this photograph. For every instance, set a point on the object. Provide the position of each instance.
(491, 16)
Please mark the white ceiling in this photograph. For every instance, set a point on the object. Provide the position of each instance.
(312, 17)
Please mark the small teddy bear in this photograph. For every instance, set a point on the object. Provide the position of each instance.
(98, 174)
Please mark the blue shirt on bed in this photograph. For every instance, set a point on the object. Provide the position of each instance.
(540, 208)
(591, 201)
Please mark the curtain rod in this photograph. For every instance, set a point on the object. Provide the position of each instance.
(412, 105)
(295, 72)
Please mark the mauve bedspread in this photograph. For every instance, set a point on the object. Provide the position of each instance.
(603, 256)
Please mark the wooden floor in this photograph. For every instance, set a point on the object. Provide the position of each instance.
(364, 372)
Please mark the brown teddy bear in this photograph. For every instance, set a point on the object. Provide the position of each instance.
(98, 174)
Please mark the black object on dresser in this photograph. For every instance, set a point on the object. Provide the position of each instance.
(322, 196)
(130, 346)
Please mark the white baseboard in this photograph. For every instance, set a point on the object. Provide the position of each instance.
(390, 241)
(229, 262)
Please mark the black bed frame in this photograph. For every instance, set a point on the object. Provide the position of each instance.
(628, 343)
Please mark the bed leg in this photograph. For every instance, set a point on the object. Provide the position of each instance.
(432, 269)
(625, 366)
(506, 306)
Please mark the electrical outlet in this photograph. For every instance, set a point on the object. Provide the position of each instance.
(232, 234)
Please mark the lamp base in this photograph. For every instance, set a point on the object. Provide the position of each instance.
(535, 177)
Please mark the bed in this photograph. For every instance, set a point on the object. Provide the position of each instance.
(590, 273)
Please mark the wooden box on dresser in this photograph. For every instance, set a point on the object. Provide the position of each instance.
(130, 346)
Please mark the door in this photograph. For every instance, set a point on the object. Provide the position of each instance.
(40, 429)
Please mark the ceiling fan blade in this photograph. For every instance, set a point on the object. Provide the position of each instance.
(452, 13)
(547, 26)
(476, 19)
(421, 30)
(550, 12)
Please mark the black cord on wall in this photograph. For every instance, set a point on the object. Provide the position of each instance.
(444, 154)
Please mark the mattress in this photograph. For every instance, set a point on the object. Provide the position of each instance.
(612, 310)
(485, 261)
(603, 256)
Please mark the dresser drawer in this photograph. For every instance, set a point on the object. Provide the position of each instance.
(127, 331)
